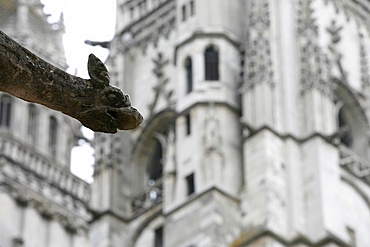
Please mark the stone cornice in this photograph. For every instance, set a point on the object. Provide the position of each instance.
(99, 215)
(206, 102)
(330, 139)
(28, 190)
(197, 196)
(256, 234)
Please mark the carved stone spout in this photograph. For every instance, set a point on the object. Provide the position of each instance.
(96, 104)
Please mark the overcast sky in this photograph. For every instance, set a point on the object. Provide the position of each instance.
(84, 20)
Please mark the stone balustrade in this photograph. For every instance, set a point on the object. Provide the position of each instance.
(355, 164)
(45, 169)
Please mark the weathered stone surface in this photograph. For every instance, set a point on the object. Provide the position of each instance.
(96, 104)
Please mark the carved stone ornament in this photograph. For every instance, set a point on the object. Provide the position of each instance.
(334, 32)
(364, 63)
(96, 104)
(258, 48)
(162, 80)
(353, 10)
(315, 65)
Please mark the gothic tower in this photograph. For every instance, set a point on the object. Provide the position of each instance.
(42, 203)
(256, 125)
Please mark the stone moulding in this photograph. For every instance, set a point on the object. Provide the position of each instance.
(96, 104)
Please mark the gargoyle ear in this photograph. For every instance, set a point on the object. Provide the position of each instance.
(98, 72)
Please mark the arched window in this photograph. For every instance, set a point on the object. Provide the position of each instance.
(53, 135)
(5, 110)
(32, 122)
(189, 74)
(211, 60)
(155, 168)
(346, 137)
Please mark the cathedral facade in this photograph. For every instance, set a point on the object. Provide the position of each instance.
(256, 130)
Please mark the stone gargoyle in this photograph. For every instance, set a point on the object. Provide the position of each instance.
(96, 104)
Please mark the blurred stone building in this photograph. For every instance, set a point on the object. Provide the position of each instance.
(256, 127)
(256, 130)
(41, 203)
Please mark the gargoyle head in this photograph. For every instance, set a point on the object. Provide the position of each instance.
(112, 109)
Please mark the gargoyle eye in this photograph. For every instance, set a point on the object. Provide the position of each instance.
(112, 97)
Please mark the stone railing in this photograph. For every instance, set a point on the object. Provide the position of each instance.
(150, 196)
(45, 169)
(148, 30)
(355, 164)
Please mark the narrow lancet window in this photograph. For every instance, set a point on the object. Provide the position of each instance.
(192, 10)
(183, 10)
(32, 122)
(188, 124)
(211, 59)
(190, 184)
(189, 75)
(53, 135)
(5, 110)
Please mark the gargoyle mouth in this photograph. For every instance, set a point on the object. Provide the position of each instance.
(109, 120)
(127, 117)
(113, 114)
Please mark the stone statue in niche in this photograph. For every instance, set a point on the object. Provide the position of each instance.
(213, 157)
(96, 104)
